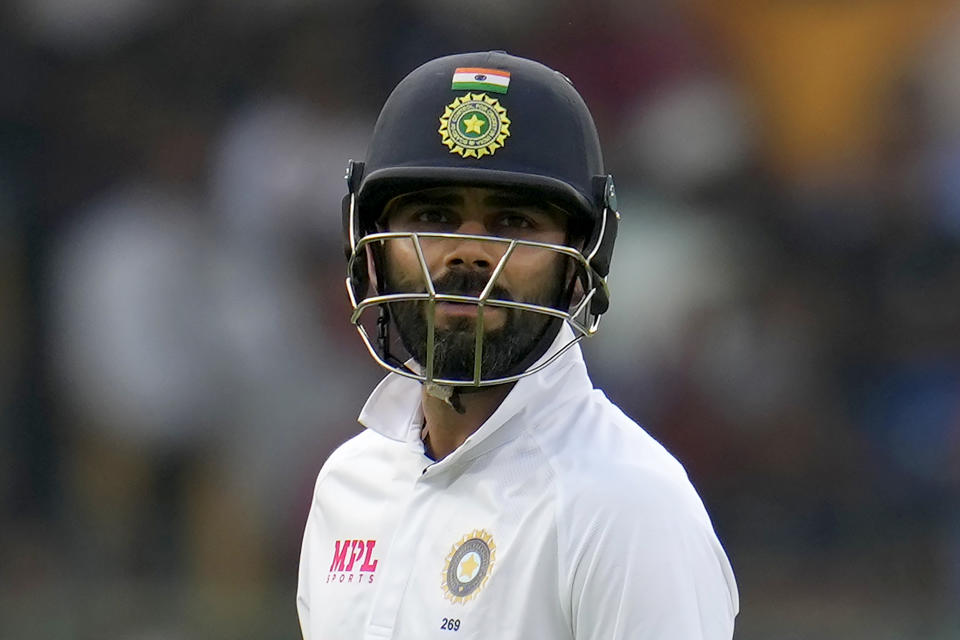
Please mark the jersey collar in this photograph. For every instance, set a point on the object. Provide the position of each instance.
(393, 409)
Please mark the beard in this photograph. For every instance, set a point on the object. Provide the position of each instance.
(503, 350)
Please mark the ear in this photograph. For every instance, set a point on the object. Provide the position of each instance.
(372, 270)
(574, 278)
(577, 277)
(578, 292)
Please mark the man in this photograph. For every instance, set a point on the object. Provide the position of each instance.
(494, 493)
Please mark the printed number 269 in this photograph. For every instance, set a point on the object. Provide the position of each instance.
(451, 624)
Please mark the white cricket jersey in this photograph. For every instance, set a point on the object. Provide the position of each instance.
(559, 518)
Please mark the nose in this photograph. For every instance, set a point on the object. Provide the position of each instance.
(473, 254)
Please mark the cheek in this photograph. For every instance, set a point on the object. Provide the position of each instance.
(534, 274)
(402, 266)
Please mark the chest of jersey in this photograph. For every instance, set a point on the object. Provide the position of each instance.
(466, 551)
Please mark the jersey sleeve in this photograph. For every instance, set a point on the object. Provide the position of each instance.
(645, 564)
(303, 584)
(310, 604)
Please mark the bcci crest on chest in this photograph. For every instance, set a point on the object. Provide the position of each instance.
(468, 566)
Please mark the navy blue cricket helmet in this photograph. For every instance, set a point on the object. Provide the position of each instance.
(485, 119)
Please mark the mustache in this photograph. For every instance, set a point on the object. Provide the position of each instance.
(455, 283)
(468, 283)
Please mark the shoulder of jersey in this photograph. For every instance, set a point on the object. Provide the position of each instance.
(362, 444)
(601, 449)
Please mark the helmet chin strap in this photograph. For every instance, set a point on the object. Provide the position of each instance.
(447, 394)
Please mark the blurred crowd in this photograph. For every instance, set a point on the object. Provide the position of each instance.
(176, 360)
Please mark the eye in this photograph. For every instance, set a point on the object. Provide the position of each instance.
(514, 220)
(423, 218)
(432, 216)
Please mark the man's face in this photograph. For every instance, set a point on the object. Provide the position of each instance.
(464, 267)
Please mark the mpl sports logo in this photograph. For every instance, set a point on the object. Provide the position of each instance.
(353, 562)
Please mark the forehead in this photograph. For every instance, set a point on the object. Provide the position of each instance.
(479, 197)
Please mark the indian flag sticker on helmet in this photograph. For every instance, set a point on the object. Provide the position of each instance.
(474, 125)
(479, 79)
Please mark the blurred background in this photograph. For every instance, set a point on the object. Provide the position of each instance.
(175, 356)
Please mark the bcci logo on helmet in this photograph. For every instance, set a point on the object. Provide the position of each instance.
(474, 125)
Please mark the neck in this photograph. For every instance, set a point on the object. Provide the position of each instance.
(445, 428)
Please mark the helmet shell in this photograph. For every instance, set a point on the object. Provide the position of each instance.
(552, 145)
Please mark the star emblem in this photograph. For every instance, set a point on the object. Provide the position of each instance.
(473, 124)
(468, 568)
(468, 565)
